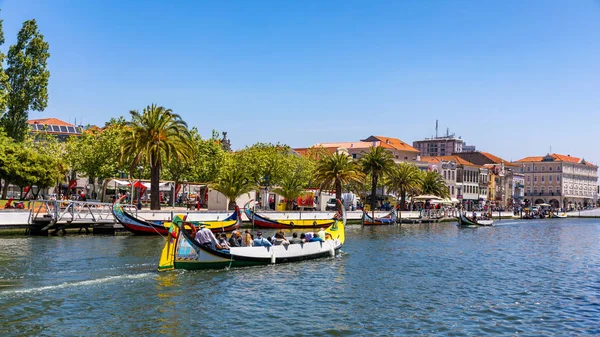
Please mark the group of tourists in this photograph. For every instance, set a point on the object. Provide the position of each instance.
(206, 238)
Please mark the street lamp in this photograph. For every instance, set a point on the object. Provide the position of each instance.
(139, 203)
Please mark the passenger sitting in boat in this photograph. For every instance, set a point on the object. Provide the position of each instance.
(236, 239)
(321, 234)
(308, 236)
(222, 244)
(302, 238)
(205, 237)
(280, 240)
(248, 241)
(315, 239)
(295, 239)
(260, 241)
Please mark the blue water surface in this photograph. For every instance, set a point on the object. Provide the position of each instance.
(518, 278)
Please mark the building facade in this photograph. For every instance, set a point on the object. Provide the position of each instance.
(561, 181)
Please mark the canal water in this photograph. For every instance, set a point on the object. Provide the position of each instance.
(521, 278)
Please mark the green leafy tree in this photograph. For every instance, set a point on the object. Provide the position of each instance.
(376, 162)
(404, 180)
(233, 180)
(95, 153)
(336, 170)
(27, 79)
(295, 180)
(433, 183)
(156, 136)
(3, 77)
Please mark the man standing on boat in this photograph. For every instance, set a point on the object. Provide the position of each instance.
(205, 237)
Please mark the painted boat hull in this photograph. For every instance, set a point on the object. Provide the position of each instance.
(466, 222)
(142, 227)
(262, 221)
(367, 220)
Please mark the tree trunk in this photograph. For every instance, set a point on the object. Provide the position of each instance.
(338, 193)
(154, 187)
(373, 191)
(4, 189)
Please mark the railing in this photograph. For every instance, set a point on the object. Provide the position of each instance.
(72, 211)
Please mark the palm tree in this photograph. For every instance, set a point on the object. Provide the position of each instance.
(376, 162)
(433, 183)
(232, 182)
(155, 136)
(336, 170)
(404, 179)
(290, 188)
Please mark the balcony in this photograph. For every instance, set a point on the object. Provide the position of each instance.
(542, 194)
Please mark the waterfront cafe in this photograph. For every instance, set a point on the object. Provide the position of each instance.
(133, 189)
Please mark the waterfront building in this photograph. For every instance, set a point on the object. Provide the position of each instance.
(504, 188)
(471, 182)
(448, 170)
(401, 151)
(562, 181)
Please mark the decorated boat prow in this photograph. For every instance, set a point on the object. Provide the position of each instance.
(262, 221)
(368, 220)
(140, 226)
(182, 251)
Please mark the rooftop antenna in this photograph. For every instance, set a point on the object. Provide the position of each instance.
(436, 128)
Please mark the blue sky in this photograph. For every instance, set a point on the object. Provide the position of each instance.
(512, 77)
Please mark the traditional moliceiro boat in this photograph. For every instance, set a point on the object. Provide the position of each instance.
(558, 215)
(182, 251)
(143, 227)
(368, 220)
(465, 221)
(262, 221)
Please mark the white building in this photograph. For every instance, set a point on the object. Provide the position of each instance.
(559, 180)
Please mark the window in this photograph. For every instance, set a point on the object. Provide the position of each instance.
(528, 178)
(534, 178)
(445, 175)
(557, 178)
(452, 190)
(63, 129)
(542, 178)
(55, 128)
(549, 178)
(71, 129)
(354, 155)
(543, 168)
(550, 168)
(452, 175)
(535, 169)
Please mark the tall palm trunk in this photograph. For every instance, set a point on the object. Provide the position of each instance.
(373, 191)
(338, 193)
(154, 187)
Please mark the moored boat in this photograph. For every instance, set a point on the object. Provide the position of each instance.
(558, 215)
(144, 227)
(368, 220)
(262, 221)
(182, 251)
(465, 221)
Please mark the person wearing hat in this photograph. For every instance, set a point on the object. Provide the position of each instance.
(260, 241)
(205, 237)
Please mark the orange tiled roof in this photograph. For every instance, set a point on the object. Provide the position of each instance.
(558, 157)
(497, 159)
(395, 143)
(303, 151)
(455, 159)
(49, 121)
